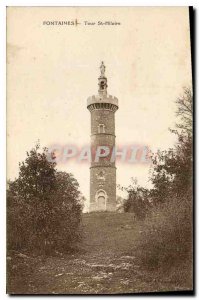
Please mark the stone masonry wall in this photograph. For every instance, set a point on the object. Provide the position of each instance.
(108, 184)
(102, 173)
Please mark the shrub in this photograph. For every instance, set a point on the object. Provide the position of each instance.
(43, 208)
(43, 228)
(166, 235)
(138, 201)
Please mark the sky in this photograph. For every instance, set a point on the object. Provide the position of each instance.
(53, 69)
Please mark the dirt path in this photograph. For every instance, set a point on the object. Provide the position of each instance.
(83, 274)
(105, 264)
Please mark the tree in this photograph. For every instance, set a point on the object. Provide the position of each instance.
(185, 112)
(44, 209)
(36, 176)
(138, 200)
(171, 171)
(166, 235)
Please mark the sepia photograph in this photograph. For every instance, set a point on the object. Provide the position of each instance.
(99, 184)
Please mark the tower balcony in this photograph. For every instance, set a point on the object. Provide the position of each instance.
(102, 102)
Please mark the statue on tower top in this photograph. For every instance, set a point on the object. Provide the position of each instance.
(102, 81)
(102, 69)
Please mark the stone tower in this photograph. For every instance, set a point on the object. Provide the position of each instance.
(102, 171)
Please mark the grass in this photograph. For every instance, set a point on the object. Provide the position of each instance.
(106, 262)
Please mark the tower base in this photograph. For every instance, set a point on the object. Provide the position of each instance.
(102, 188)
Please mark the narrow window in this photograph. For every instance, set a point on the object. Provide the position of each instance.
(101, 128)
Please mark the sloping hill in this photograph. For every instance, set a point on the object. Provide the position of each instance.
(106, 263)
(108, 232)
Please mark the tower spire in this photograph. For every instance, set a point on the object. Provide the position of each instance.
(102, 81)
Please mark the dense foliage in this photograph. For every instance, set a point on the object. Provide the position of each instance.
(171, 172)
(138, 200)
(43, 207)
(167, 235)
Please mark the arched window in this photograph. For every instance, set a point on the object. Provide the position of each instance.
(101, 128)
(101, 199)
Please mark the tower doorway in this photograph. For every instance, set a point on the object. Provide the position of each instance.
(101, 199)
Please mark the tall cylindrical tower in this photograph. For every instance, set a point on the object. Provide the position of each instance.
(102, 171)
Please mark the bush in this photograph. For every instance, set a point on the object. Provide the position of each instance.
(166, 235)
(43, 208)
(42, 229)
(138, 201)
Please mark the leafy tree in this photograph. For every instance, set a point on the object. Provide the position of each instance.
(172, 169)
(36, 176)
(44, 209)
(166, 233)
(138, 200)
